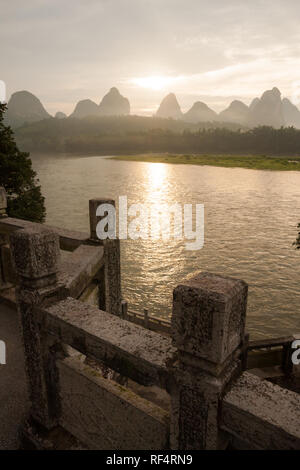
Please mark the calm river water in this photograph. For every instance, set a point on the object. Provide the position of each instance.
(250, 224)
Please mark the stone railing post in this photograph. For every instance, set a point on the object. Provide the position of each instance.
(110, 277)
(208, 323)
(3, 202)
(35, 253)
(3, 238)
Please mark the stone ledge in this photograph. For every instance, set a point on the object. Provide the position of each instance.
(69, 239)
(131, 350)
(248, 413)
(80, 267)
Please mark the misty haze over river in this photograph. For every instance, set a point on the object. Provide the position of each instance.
(250, 225)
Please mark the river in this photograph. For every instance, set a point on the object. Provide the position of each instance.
(250, 225)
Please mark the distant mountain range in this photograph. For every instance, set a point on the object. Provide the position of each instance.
(270, 110)
(25, 108)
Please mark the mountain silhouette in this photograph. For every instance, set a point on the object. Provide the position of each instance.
(85, 108)
(200, 112)
(268, 111)
(24, 107)
(60, 115)
(291, 113)
(253, 103)
(236, 112)
(114, 104)
(169, 108)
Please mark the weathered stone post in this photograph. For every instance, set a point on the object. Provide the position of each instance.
(3, 202)
(35, 254)
(208, 323)
(3, 238)
(109, 277)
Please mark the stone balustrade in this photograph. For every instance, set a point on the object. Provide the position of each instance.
(210, 402)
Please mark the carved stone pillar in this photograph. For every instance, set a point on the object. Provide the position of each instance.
(208, 323)
(109, 277)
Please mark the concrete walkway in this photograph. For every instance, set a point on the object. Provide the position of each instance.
(13, 391)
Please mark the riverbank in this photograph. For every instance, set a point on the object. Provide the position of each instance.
(254, 162)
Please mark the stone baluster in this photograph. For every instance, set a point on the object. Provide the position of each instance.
(208, 323)
(35, 253)
(124, 310)
(146, 318)
(3, 202)
(109, 277)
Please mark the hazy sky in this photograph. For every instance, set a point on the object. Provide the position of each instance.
(215, 51)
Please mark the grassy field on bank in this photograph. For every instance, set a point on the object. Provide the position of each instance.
(253, 162)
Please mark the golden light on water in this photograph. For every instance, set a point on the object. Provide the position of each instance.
(157, 174)
(157, 192)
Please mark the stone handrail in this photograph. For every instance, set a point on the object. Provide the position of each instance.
(80, 267)
(69, 239)
(212, 403)
(261, 415)
(130, 350)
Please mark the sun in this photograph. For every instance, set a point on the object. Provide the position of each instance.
(154, 82)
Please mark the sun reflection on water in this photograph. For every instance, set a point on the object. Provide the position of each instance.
(157, 173)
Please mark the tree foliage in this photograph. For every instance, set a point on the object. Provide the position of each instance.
(136, 134)
(24, 197)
